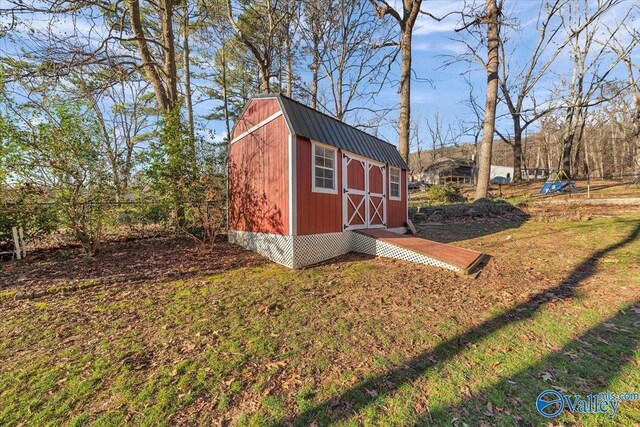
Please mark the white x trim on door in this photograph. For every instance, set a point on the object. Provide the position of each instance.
(374, 203)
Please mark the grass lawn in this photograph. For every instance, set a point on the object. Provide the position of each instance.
(359, 341)
(528, 192)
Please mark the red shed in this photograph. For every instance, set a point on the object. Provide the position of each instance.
(301, 181)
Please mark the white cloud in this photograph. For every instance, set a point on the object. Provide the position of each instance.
(422, 46)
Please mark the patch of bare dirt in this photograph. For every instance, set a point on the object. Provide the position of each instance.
(124, 260)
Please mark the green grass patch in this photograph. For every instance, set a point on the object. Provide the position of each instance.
(364, 342)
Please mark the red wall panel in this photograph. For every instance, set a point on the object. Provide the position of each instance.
(259, 181)
(375, 180)
(257, 111)
(259, 176)
(316, 212)
(356, 175)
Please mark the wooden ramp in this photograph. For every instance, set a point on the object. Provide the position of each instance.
(409, 248)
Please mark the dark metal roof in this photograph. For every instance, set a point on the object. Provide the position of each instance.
(312, 124)
(446, 163)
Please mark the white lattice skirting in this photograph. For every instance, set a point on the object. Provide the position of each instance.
(301, 251)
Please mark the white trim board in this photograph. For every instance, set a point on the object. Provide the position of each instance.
(397, 198)
(256, 127)
(293, 186)
(315, 189)
(366, 193)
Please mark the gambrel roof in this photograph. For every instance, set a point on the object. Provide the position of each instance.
(320, 127)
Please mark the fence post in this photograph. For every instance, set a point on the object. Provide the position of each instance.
(16, 243)
(22, 243)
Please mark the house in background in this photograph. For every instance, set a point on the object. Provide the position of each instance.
(300, 183)
(446, 170)
(461, 171)
(504, 172)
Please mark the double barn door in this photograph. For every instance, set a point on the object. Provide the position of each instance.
(364, 203)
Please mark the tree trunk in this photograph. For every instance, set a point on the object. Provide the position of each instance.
(567, 145)
(614, 150)
(493, 41)
(148, 63)
(266, 85)
(168, 41)
(517, 150)
(288, 64)
(225, 98)
(187, 75)
(568, 136)
(315, 70)
(405, 94)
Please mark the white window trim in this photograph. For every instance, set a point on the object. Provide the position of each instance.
(399, 198)
(313, 169)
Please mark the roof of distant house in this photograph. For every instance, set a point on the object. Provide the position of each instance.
(445, 163)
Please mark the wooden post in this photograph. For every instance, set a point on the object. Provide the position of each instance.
(16, 243)
(22, 243)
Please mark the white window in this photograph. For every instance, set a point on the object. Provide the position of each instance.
(394, 184)
(324, 169)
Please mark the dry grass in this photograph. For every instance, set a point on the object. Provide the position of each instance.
(351, 342)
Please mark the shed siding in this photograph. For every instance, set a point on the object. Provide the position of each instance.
(375, 180)
(355, 175)
(259, 176)
(397, 209)
(316, 212)
(257, 110)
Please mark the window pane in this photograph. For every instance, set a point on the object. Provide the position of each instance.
(324, 167)
(394, 175)
(395, 190)
(328, 163)
(328, 174)
(324, 178)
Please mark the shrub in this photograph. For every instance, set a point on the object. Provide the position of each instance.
(445, 193)
(22, 207)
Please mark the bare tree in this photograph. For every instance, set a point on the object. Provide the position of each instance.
(406, 20)
(518, 80)
(440, 138)
(624, 50)
(314, 33)
(590, 73)
(260, 27)
(352, 63)
(126, 120)
(415, 160)
(474, 126)
(491, 17)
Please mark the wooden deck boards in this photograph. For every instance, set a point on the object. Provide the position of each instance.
(464, 259)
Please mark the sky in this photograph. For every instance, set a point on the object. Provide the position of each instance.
(436, 88)
(446, 92)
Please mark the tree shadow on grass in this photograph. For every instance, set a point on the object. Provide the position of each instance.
(454, 223)
(357, 398)
(585, 365)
